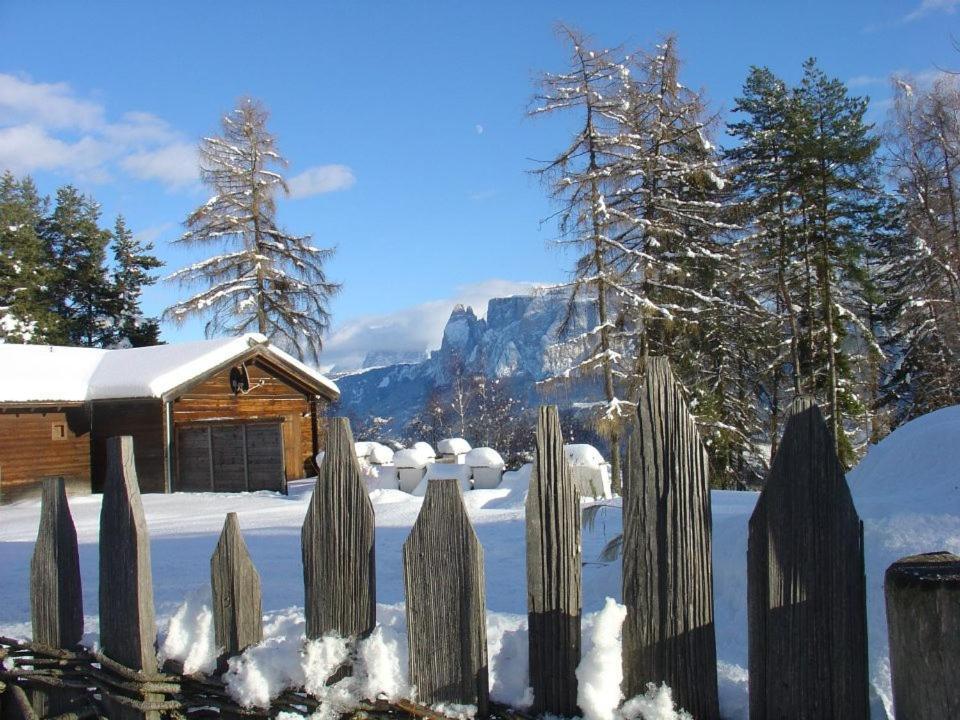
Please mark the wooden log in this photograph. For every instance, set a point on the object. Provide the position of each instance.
(127, 626)
(668, 634)
(237, 599)
(446, 609)
(56, 597)
(16, 705)
(805, 582)
(337, 542)
(554, 594)
(923, 622)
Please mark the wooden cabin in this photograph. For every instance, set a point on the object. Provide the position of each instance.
(233, 414)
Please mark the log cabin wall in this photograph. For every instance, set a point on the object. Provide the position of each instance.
(141, 418)
(41, 441)
(271, 397)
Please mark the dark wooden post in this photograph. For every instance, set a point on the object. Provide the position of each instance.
(805, 582)
(237, 613)
(668, 635)
(923, 621)
(127, 627)
(554, 597)
(337, 540)
(446, 609)
(56, 597)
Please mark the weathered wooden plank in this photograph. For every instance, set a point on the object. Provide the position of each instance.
(56, 597)
(554, 594)
(337, 542)
(237, 600)
(446, 609)
(127, 627)
(923, 621)
(668, 635)
(806, 586)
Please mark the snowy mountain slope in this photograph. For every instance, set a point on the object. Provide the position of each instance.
(518, 340)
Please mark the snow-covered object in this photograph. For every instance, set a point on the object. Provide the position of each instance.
(445, 471)
(487, 466)
(382, 477)
(53, 373)
(373, 452)
(411, 458)
(409, 477)
(590, 472)
(426, 448)
(453, 446)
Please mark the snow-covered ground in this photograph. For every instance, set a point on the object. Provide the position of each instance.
(907, 491)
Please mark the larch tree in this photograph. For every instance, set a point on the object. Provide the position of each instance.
(582, 180)
(266, 280)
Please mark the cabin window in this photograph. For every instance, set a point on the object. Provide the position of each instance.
(59, 431)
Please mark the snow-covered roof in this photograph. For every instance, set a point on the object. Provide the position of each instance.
(50, 373)
(483, 457)
(453, 446)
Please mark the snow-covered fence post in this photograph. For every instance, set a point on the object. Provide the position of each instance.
(56, 598)
(127, 627)
(554, 596)
(237, 614)
(446, 607)
(337, 542)
(668, 635)
(923, 621)
(805, 582)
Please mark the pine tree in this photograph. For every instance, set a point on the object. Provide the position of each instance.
(25, 314)
(133, 262)
(82, 295)
(270, 281)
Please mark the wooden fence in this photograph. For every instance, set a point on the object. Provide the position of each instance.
(807, 626)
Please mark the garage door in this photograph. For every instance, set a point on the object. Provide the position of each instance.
(230, 458)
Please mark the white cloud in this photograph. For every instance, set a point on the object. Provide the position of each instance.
(46, 127)
(479, 129)
(175, 165)
(415, 329)
(321, 179)
(931, 6)
(152, 233)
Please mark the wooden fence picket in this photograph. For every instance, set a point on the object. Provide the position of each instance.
(337, 539)
(923, 621)
(446, 607)
(554, 593)
(127, 627)
(237, 599)
(806, 587)
(56, 596)
(668, 635)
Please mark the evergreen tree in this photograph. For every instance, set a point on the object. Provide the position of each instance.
(133, 262)
(25, 314)
(81, 292)
(270, 281)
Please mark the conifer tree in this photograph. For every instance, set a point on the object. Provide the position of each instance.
(269, 281)
(81, 292)
(133, 261)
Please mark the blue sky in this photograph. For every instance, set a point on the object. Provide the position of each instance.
(405, 121)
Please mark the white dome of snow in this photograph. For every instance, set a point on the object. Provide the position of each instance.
(380, 454)
(583, 455)
(453, 446)
(411, 458)
(426, 448)
(483, 457)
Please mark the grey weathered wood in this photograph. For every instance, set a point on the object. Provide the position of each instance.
(16, 705)
(127, 626)
(56, 598)
(668, 634)
(923, 621)
(446, 609)
(806, 587)
(338, 544)
(237, 611)
(554, 594)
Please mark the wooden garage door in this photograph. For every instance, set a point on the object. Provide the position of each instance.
(230, 458)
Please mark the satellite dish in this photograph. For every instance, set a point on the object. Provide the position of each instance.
(239, 380)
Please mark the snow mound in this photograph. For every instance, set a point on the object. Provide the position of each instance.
(583, 455)
(412, 458)
(453, 446)
(444, 471)
(425, 448)
(483, 457)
